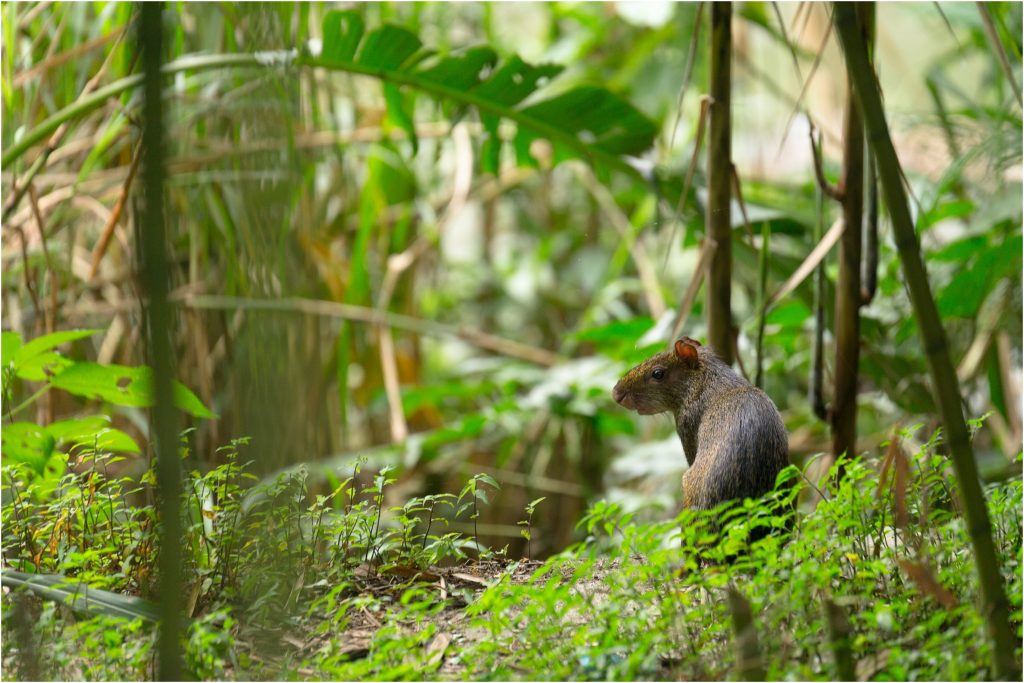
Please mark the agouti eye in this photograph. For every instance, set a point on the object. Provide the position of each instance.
(658, 374)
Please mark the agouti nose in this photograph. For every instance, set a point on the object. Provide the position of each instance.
(620, 395)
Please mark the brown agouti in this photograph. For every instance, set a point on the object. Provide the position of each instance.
(732, 434)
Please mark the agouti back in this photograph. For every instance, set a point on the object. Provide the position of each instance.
(732, 434)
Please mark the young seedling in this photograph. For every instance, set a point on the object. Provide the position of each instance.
(527, 533)
(474, 493)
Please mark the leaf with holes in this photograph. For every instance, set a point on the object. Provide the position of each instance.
(124, 386)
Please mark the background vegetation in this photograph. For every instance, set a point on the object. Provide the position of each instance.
(401, 297)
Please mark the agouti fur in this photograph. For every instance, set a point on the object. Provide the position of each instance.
(732, 434)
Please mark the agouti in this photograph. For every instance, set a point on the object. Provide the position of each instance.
(732, 434)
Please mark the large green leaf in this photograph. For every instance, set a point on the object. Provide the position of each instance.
(36, 360)
(587, 121)
(27, 443)
(80, 597)
(93, 432)
(392, 54)
(122, 385)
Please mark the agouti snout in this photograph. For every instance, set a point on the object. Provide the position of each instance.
(732, 434)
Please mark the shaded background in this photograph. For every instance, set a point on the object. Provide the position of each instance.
(301, 183)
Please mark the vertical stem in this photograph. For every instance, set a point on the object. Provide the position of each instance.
(718, 219)
(762, 308)
(995, 606)
(151, 237)
(817, 400)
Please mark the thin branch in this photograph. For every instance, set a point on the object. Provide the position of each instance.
(831, 190)
(997, 46)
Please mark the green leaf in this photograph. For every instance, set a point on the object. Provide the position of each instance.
(125, 386)
(47, 342)
(11, 342)
(388, 48)
(27, 443)
(462, 70)
(398, 113)
(80, 597)
(342, 32)
(42, 367)
(515, 80)
(489, 480)
(93, 432)
(598, 118)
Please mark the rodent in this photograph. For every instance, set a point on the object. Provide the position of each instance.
(732, 434)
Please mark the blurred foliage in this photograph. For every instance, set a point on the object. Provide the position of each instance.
(502, 284)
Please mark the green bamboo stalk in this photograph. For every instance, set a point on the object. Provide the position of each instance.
(718, 217)
(995, 606)
(152, 237)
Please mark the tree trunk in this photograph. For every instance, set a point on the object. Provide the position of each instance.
(718, 219)
(995, 606)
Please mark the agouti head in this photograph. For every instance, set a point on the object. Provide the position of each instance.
(661, 382)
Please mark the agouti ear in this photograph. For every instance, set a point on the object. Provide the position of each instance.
(686, 350)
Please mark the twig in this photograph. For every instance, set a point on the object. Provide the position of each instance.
(690, 296)
(997, 45)
(813, 259)
(831, 190)
(115, 215)
(332, 309)
(644, 266)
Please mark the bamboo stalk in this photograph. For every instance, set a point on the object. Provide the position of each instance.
(718, 218)
(995, 606)
(155, 283)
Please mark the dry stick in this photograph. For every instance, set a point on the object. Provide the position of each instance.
(785, 39)
(51, 62)
(50, 314)
(997, 45)
(18, 189)
(831, 190)
(332, 309)
(1011, 393)
(705, 104)
(399, 263)
(115, 215)
(644, 265)
(738, 189)
(782, 95)
(995, 606)
(807, 83)
(690, 297)
(691, 58)
(813, 259)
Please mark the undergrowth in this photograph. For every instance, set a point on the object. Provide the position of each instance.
(877, 581)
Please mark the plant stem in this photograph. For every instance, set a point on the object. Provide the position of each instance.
(995, 606)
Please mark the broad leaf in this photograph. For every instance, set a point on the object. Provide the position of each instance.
(587, 121)
(79, 597)
(47, 342)
(92, 432)
(122, 385)
(27, 443)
